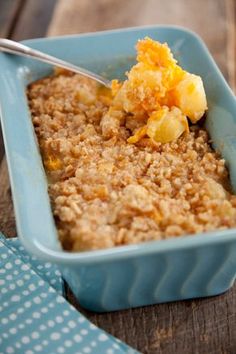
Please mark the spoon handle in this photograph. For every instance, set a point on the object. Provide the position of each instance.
(9, 46)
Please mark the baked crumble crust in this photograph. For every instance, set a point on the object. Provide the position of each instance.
(106, 192)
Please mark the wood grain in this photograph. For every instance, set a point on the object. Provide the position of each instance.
(7, 219)
(203, 326)
(34, 19)
(9, 11)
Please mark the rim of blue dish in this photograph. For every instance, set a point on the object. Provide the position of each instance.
(145, 248)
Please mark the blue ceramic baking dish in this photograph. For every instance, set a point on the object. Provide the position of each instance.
(129, 276)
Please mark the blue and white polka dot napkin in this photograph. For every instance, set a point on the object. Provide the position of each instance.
(35, 317)
(47, 271)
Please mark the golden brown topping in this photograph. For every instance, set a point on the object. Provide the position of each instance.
(155, 85)
(106, 192)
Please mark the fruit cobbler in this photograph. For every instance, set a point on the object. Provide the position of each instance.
(129, 164)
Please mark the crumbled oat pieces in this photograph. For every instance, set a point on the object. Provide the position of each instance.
(106, 192)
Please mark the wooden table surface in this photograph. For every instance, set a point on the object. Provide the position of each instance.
(193, 326)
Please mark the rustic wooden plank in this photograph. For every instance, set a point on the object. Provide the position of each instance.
(7, 219)
(34, 19)
(8, 13)
(206, 326)
(2, 151)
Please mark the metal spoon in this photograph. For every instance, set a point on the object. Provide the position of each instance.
(9, 46)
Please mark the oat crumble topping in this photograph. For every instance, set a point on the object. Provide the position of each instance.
(106, 192)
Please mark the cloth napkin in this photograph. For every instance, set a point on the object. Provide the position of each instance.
(35, 317)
